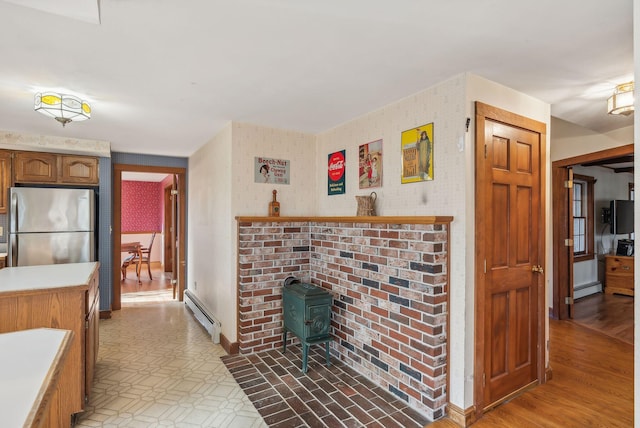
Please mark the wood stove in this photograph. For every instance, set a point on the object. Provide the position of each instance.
(307, 314)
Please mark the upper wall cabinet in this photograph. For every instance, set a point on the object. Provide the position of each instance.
(79, 169)
(5, 179)
(34, 167)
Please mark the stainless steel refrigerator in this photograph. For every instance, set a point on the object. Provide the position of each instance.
(51, 226)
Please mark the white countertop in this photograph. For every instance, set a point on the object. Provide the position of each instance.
(26, 360)
(25, 278)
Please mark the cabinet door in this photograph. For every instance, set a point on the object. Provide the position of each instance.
(91, 343)
(79, 170)
(5, 179)
(33, 167)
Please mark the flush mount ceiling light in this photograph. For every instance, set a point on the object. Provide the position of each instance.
(621, 102)
(63, 108)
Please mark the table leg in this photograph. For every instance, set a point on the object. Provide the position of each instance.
(139, 265)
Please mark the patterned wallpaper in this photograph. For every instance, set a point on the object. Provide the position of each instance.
(142, 206)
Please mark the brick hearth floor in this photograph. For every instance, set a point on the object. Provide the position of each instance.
(334, 396)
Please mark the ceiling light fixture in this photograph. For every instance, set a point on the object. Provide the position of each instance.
(63, 108)
(621, 102)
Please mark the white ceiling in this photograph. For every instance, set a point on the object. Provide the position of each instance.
(164, 76)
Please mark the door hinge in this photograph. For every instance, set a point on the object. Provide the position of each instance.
(568, 184)
(568, 300)
(484, 380)
(485, 151)
(174, 192)
(568, 242)
(86, 324)
(485, 265)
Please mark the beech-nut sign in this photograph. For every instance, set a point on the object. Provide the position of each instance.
(336, 173)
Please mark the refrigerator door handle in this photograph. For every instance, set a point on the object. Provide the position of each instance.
(13, 217)
(13, 250)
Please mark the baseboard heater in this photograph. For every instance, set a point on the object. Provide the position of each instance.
(584, 290)
(209, 322)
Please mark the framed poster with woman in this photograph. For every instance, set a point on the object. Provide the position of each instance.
(417, 154)
(370, 164)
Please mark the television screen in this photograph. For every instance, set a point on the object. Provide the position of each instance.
(621, 217)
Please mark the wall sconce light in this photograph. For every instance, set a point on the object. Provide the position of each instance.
(61, 107)
(621, 102)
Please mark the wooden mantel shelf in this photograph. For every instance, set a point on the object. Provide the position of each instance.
(351, 219)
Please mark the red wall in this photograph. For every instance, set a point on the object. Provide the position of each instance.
(142, 206)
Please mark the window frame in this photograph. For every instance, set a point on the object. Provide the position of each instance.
(588, 209)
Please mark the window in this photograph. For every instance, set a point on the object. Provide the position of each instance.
(583, 213)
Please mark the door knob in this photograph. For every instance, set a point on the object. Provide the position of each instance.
(537, 268)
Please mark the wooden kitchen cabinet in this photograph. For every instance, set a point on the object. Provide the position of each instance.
(62, 297)
(52, 168)
(619, 275)
(36, 357)
(78, 170)
(5, 179)
(91, 334)
(35, 167)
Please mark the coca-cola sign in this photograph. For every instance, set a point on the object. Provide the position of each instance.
(336, 172)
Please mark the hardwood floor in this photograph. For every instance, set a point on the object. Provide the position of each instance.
(592, 385)
(161, 280)
(610, 314)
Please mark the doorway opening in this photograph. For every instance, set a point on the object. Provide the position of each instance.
(166, 235)
(612, 172)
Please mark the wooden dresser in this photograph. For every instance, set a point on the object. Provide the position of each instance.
(619, 275)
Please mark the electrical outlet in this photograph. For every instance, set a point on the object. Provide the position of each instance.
(1, 230)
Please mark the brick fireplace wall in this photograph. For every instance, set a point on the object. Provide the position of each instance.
(389, 282)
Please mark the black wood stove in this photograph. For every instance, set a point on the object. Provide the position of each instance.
(307, 314)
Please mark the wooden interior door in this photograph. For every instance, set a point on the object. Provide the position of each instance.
(568, 189)
(510, 249)
(168, 229)
(562, 254)
(175, 230)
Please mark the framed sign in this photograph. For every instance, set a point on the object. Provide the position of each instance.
(273, 171)
(336, 173)
(370, 165)
(417, 154)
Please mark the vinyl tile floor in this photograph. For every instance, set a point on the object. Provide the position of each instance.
(158, 367)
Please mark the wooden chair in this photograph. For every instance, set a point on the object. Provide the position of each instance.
(125, 264)
(144, 257)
